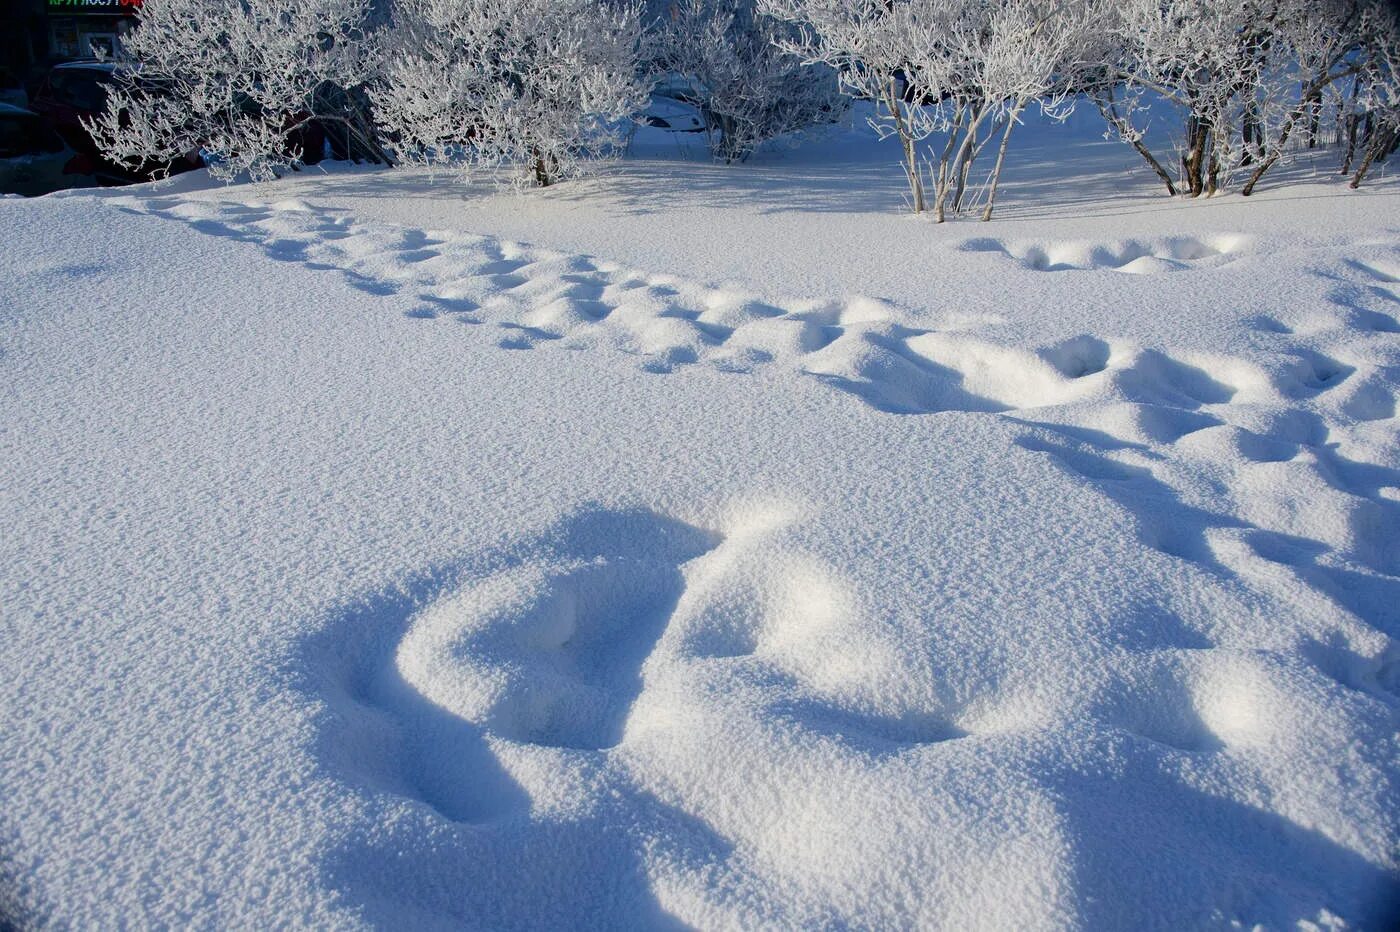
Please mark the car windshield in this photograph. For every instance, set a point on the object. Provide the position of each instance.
(82, 90)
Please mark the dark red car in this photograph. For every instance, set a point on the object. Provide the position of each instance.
(68, 94)
(76, 91)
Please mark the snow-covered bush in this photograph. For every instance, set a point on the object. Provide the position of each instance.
(749, 89)
(240, 80)
(996, 59)
(535, 85)
(870, 43)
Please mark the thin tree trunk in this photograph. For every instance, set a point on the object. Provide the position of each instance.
(1314, 119)
(1001, 157)
(1252, 132)
(944, 176)
(1193, 160)
(1219, 138)
(969, 135)
(1351, 145)
(1363, 169)
(906, 140)
(1111, 117)
(940, 180)
(1380, 146)
(964, 167)
(1289, 122)
(1351, 128)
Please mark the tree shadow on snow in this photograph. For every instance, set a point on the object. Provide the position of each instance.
(1155, 852)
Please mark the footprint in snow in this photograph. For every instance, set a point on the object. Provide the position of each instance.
(548, 649)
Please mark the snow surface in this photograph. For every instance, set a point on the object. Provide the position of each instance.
(701, 546)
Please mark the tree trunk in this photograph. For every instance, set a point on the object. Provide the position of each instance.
(964, 167)
(911, 164)
(1314, 119)
(969, 136)
(1219, 139)
(1193, 160)
(1289, 122)
(1001, 157)
(1363, 169)
(1111, 117)
(941, 180)
(1382, 144)
(1252, 132)
(1352, 124)
(906, 141)
(1390, 146)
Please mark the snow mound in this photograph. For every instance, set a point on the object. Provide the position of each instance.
(869, 348)
(1130, 256)
(550, 651)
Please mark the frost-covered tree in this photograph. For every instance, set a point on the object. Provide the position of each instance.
(1375, 102)
(947, 68)
(997, 58)
(1241, 75)
(870, 43)
(240, 80)
(749, 88)
(1328, 42)
(535, 85)
(1194, 55)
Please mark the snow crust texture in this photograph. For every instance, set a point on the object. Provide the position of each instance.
(610, 598)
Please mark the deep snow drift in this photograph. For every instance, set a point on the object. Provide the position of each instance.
(640, 554)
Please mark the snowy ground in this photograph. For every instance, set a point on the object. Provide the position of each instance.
(701, 546)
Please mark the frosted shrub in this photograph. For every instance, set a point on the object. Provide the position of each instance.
(535, 86)
(749, 88)
(944, 67)
(1244, 77)
(238, 80)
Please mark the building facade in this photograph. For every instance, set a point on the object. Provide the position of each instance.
(88, 28)
(36, 33)
(23, 39)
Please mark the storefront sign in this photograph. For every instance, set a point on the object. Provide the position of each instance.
(95, 6)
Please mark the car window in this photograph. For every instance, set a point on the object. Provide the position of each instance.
(24, 135)
(85, 91)
(81, 90)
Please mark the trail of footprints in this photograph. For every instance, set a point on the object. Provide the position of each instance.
(534, 297)
(1297, 447)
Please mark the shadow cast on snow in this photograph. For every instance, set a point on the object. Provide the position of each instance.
(1144, 836)
(452, 839)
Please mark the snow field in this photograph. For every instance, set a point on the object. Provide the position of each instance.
(457, 581)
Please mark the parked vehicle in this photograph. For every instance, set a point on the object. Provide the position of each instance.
(33, 158)
(76, 91)
(678, 87)
(668, 113)
(68, 94)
